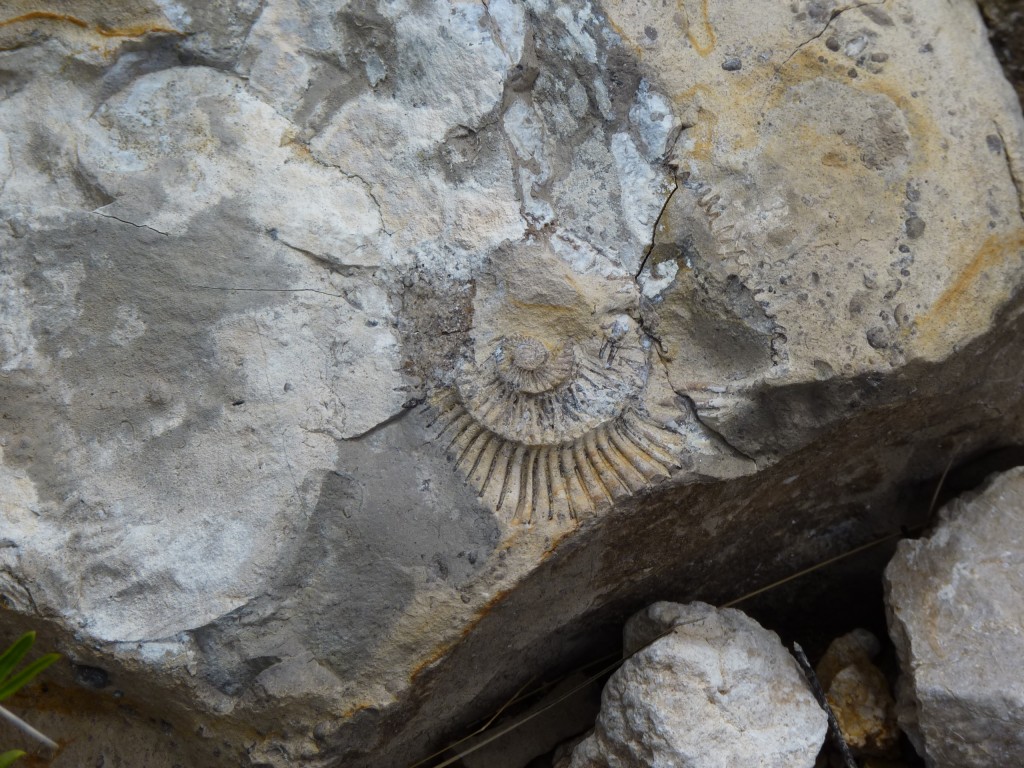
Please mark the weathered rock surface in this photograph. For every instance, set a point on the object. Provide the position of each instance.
(858, 694)
(955, 603)
(703, 687)
(360, 360)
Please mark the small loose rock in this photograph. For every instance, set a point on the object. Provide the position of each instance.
(955, 604)
(707, 687)
(858, 694)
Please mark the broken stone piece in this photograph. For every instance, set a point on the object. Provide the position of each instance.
(711, 688)
(955, 603)
(858, 694)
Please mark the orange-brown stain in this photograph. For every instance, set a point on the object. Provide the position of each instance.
(993, 251)
(44, 16)
(556, 541)
(702, 34)
(442, 650)
(805, 66)
(63, 18)
(355, 709)
(702, 133)
(626, 38)
(556, 309)
(835, 159)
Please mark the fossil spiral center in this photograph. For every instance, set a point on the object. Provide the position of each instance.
(529, 354)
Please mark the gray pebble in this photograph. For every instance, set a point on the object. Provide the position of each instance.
(732, 64)
(878, 338)
(915, 227)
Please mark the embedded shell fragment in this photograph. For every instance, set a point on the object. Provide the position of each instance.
(526, 364)
(547, 431)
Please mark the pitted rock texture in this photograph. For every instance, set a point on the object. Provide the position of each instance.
(338, 338)
(703, 687)
(955, 602)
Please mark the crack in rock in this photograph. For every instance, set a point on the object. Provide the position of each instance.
(131, 223)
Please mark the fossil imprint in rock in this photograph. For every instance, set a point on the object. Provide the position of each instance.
(551, 425)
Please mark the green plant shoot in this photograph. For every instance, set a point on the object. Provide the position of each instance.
(11, 682)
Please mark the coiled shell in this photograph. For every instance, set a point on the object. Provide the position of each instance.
(549, 429)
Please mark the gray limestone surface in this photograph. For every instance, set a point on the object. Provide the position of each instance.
(360, 360)
(955, 602)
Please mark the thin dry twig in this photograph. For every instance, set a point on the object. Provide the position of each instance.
(21, 725)
(938, 486)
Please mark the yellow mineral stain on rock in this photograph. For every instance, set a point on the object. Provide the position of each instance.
(442, 650)
(91, 19)
(44, 15)
(628, 40)
(692, 23)
(835, 159)
(955, 306)
(355, 709)
(805, 66)
(519, 538)
(703, 133)
(923, 128)
(542, 308)
(701, 34)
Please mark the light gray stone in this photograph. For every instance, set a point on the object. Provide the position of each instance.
(955, 603)
(705, 688)
(360, 360)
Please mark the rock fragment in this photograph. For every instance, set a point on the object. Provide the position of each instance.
(955, 604)
(712, 688)
(858, 694)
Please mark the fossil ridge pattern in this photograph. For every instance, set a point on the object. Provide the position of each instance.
(554, 431)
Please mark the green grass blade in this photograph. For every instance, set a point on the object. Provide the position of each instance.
(15, 653)
(9, 687)
(9, 757)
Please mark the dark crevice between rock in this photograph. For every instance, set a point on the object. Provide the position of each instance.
(1005, 22)
(812, 609)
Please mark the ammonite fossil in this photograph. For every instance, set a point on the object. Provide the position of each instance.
(548, 428)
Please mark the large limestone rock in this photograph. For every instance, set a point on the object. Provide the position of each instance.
(956, 615)
(358, 361)
(704, 688)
